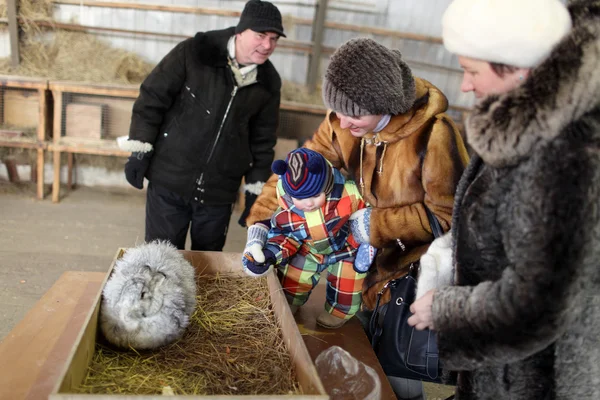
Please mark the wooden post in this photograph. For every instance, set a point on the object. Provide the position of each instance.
(69, 171)
(41, 137)
(11, 169)
(314, 59)
(57, 132)
(13, 30)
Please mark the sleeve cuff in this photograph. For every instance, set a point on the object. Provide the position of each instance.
(133, 145)
(254, 188)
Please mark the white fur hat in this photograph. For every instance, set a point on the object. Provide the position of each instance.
(520, 33)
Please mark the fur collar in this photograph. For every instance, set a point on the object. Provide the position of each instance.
(211, 48)
(505, 129)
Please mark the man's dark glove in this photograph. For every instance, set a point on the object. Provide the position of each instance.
(250, 199)
(136, 167)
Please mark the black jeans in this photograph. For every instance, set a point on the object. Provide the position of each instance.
(168, 217)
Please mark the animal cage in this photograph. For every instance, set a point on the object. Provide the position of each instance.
(25, 115)
(87, 120)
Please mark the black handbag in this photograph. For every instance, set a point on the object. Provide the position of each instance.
(402, 350)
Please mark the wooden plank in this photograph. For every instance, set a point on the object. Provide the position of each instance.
(35, 351)
(23, 143)
(23, 82)
(85, 120)
(81, 146)
(13, 31)
(303, 107)
(131, 91)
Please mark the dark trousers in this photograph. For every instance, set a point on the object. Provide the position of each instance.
(168, 217)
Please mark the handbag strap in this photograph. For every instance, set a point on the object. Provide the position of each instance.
(436, 228)
(376, 321)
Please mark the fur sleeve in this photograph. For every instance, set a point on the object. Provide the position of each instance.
(266, 203)
(542, 217)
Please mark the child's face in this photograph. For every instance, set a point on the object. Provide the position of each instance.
(309, 204)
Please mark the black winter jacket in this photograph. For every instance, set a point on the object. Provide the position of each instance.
(206, 133)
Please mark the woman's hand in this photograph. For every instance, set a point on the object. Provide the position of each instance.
(422, 317)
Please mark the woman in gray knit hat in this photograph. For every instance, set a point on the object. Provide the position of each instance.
(520, 317)
(388, 130)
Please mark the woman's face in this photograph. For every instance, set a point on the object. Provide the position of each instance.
(359, 126)
(480, 78)
(311, 203)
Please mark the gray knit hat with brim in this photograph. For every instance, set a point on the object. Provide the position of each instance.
(366, 78)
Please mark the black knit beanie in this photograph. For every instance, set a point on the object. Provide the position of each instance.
(366, 78)
(260, 16)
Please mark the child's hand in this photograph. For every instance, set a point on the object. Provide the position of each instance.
(255, 268)
(360, 222)
(257, 238)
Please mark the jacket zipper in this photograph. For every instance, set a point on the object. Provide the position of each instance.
(212, 150)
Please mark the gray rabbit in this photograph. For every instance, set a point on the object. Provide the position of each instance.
(149, 298)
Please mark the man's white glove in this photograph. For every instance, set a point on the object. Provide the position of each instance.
(256, 240)
(437, 266)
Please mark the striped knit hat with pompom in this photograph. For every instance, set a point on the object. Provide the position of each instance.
(304, 174)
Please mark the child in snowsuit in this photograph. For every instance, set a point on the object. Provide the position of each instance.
(310, 234)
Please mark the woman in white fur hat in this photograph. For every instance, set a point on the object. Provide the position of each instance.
(519, 317)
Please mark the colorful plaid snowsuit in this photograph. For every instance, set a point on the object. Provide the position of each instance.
(306, 244)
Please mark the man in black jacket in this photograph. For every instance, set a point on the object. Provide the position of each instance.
(206, 117)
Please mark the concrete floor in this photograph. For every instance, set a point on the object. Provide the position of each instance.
(40, 240)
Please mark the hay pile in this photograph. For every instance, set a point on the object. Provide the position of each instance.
(233, 346)
(62, 55)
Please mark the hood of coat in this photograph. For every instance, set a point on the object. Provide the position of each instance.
(504, 129)
(211, 48)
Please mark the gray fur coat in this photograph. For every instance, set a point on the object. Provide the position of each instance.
(523, 321)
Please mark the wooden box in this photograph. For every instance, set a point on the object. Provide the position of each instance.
(85, 120)
(207, 263)
(21, 108)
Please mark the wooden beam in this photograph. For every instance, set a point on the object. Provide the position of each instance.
(231, 13)
(293, 45)
(13, 30)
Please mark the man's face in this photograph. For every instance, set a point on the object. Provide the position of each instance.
(254, 47)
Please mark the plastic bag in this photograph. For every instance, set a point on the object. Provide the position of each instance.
(345, 377)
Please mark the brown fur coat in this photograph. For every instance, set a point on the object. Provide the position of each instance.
(523, 321)
(420, 160)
